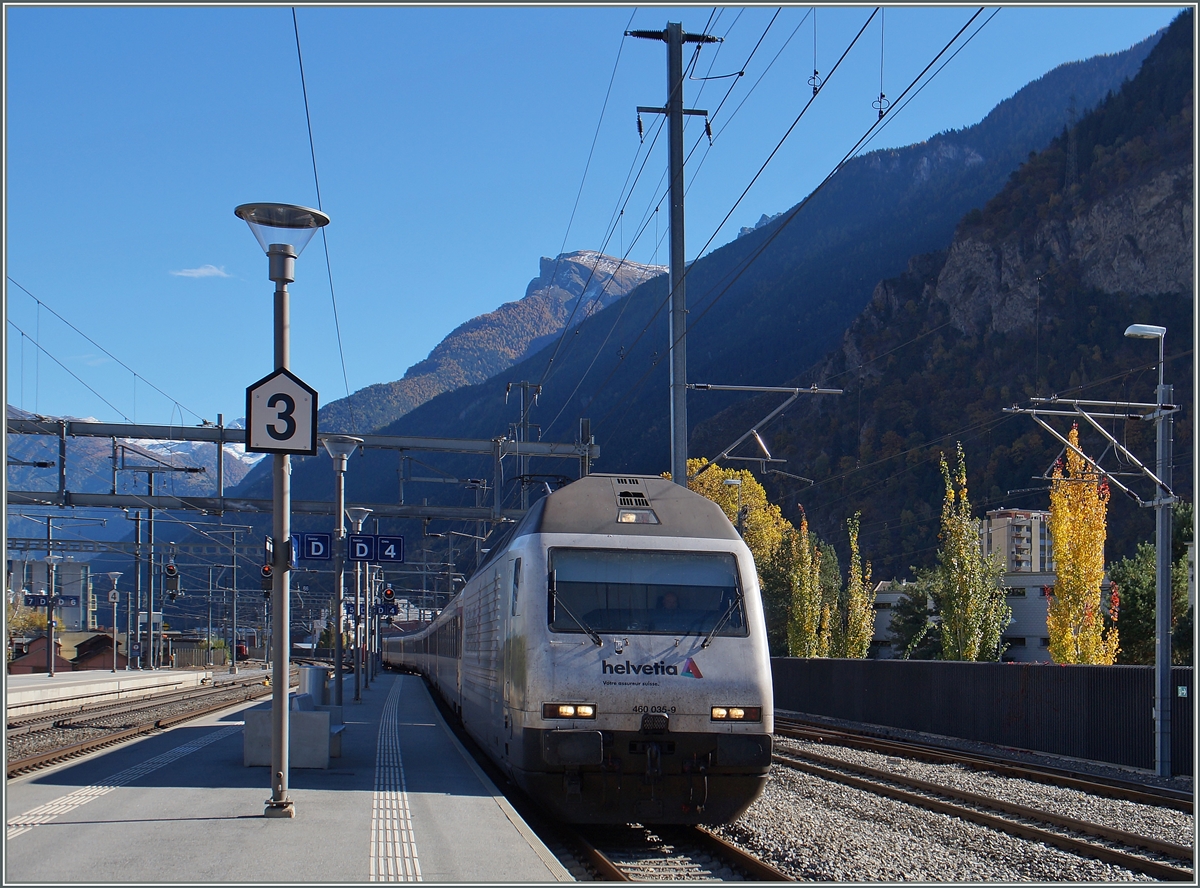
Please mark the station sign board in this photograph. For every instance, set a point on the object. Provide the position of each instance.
(59, 600)
(375, 548)
(315, 546)
(281, 415)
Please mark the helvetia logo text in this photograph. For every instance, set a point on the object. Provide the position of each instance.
(690, 669)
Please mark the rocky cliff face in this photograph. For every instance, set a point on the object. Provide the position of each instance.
(569, 288)
(1136, 241)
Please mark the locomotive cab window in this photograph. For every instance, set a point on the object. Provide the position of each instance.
(655, 593)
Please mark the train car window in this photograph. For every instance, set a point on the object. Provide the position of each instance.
(516, 587)
(655, 593)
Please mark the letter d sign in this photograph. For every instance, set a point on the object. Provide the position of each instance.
(361, 547)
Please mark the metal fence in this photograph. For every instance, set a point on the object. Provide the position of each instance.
(1102, 713)
(196, 658)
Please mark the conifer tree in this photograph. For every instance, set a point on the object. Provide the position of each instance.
(1078, 526)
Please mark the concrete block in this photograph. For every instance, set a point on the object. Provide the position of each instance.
(309, 741)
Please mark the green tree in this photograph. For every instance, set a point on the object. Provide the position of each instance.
(966, 587)
(914, 631)
(797, 568)
(860, 599)
(1136, 581)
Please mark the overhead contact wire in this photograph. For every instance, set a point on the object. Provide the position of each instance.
(135, 374)
(312, 148)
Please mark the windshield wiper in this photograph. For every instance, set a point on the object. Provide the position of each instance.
(721, 622)
(582, 625)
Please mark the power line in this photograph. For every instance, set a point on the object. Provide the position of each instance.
(136, 375)
(796, 210)
(74, 375)
(324, 240)
(774, 234)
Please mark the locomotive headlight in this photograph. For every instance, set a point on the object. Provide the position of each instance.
(737, 713)
(568, 710)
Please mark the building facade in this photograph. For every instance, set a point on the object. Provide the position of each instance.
(1021, 540)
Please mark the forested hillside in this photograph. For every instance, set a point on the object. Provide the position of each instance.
(1031, 299)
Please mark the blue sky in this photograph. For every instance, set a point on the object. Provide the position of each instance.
(451, 144)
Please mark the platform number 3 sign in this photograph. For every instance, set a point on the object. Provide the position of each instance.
(281, 415)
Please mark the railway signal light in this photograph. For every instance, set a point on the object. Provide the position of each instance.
(389, 594)
(268, 574)
(171, 572)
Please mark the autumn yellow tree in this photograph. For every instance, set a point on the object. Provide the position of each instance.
(1078, 527)
(764, 523)
(21, 620)
(860, 599)
(764, 529)
(797, 567)
(965, 584)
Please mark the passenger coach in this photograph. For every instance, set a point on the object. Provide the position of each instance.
(610, 654)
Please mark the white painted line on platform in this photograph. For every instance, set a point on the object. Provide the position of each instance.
(23, 823)
(393, 846)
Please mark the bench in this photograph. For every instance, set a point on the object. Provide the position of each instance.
(315, 734)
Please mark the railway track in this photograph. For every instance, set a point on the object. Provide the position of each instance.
(1107, 787)
(637, 853)
(1078, 837)
(88, 713)
(148, 715)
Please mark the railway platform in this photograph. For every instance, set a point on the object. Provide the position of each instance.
(405, 802)
(39, 692)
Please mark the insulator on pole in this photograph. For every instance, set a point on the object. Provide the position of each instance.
(641, 132)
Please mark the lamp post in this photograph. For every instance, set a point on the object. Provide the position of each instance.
(283, 231)
(358, 515)
(340, 447)
(52, 564)
(737, 482)
(115, 597)
(1163, 500)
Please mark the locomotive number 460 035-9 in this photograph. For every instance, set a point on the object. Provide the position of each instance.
(654, 708)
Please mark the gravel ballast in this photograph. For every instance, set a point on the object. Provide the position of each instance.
(817, 830)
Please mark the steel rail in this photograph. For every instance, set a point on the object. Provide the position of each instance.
(16, 767)
(1156, 846)
(758, 870)
(1124, 859)
(1160, 796)
(714, 846)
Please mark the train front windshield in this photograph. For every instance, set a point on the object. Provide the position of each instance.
(657, 593)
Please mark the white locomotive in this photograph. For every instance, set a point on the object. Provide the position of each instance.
(610, 655)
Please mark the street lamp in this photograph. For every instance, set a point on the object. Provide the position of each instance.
(1163, 500)
(737, 482)
(52, 563)
(358, 515)
(114, 596)
(340, 447)
(283, 231)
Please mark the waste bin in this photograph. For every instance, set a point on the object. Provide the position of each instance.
(314, 680)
